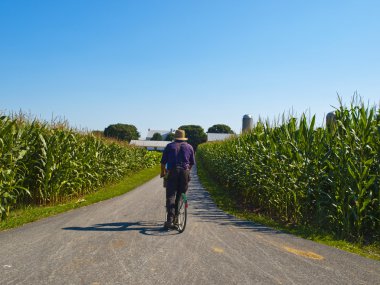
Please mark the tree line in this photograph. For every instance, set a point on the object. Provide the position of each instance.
(194, 133)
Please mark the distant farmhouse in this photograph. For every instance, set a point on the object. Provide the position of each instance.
(150, 145)
(153, 145)
(211, 137)
(163, 133)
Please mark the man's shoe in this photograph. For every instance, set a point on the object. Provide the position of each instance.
(169, 225)
(173, 226)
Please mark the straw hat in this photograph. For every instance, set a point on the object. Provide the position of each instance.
(180, 135)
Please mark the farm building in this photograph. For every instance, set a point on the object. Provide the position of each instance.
(211, 137)
(150, 145)
(163, 133)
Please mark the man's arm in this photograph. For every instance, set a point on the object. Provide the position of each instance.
(164, 160)
(163, 170)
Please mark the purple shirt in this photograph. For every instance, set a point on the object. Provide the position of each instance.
(178, 154)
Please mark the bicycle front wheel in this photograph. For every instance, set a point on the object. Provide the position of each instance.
(182, 213)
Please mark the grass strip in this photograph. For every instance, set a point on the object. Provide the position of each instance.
(227, 203)
(29, 214)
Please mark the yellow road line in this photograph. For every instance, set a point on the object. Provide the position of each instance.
(217, 249)
(307, 254)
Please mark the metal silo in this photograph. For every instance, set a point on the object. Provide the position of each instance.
(330, 119)
(247, 123)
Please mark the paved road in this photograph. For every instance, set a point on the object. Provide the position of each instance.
(121, 241)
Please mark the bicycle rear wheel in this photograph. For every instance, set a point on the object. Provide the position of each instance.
(182, 213)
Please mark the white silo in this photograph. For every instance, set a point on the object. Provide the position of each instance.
(247, 123)
(330, 119)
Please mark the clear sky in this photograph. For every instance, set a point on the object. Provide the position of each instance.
(161, 64)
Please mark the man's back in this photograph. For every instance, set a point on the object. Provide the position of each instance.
(178, 153)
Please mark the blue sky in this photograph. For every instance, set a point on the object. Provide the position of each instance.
(162, 64)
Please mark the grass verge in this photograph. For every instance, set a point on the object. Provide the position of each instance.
(33, 213)
(226, 202)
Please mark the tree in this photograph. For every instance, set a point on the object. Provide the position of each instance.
(156, 137)
(170, 137)
(122, 132)
(220, 129)
(195, 134)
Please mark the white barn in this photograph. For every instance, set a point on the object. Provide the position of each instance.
(163, 133)
(150, 145)
(211, 137)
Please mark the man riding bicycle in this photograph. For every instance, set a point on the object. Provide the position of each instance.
(176, 163)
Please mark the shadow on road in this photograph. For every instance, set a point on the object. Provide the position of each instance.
(151, 228)
(202, 206)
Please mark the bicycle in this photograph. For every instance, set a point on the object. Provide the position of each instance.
(181, 217)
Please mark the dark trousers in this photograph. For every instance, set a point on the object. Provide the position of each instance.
(178, 183)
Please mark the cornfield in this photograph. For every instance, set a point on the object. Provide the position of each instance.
(324, 177)
(43, 163)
